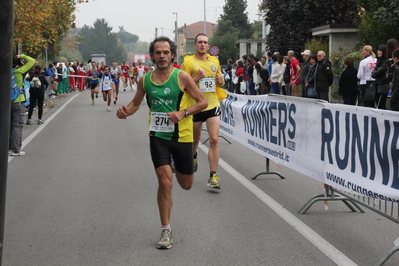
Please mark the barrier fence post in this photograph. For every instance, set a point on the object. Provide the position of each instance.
(267, 172)
(330, 195)
(6, 39)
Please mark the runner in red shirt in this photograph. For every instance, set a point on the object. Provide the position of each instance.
(295, 70)
(125, 74)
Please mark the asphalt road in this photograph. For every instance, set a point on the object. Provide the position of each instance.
(85, 194)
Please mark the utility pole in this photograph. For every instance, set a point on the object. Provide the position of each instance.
(205, 16)
(216, 12)
(176, 39)
(6, 39)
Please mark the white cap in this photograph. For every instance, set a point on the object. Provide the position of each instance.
(306, 52)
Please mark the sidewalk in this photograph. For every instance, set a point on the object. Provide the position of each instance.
(48, 105)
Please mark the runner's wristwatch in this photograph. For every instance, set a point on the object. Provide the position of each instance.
(186, 113)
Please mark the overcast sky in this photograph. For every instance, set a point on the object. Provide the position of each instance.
(143, 16)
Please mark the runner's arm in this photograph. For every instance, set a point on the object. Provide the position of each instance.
(134, 105)
(187, 84)
(192, 89)
(219, 76)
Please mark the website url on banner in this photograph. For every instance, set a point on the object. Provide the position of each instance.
(278, 154)
(227, 130)
(356, 188)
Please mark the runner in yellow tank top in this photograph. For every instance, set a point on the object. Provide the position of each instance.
(206, 72)
(165, 142)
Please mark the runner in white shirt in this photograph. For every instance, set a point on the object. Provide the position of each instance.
(140, 70)
(106, 86)
(116, 71)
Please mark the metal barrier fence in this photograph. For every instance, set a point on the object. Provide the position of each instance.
(387, 209)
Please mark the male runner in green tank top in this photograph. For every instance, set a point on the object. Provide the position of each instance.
(168, 91)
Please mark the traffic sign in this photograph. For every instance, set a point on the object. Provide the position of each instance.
(214, 50)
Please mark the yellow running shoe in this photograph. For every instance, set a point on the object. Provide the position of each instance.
(213, 182)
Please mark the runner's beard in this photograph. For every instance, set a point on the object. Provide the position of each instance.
(163, 66)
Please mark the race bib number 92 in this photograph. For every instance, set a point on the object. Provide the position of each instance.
(207, 85)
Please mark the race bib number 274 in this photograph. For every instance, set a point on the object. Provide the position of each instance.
(160, 122)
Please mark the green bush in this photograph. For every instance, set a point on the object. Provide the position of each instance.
(337, 62)
(315, 45)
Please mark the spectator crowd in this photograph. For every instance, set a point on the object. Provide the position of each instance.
(370, 84)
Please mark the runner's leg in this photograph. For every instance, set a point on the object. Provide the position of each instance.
(213, 124)
(164, 197)
(109, 93)
(197, 135)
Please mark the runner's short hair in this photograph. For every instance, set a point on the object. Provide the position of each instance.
(200, 34)
(163, 39)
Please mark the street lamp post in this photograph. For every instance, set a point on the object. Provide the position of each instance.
(205, 16)
(176, 39)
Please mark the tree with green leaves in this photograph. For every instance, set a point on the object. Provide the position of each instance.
(42, 24)
(224, 38)
(379, 21)
(142, 48)
(235, 11)
(128, 39)
(100, 39)
(291, 21)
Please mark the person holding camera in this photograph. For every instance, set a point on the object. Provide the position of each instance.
(18, 104)
(38, 85)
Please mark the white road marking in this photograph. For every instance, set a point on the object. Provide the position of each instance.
(41, 127)
(329, 250)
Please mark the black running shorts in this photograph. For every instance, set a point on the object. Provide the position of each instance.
(203, 116)
(93, 85)
(182, 153)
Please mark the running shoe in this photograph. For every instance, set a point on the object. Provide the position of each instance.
(108, 109)
(40, 122)
(93, 102)
(96, 95)
(213, 182)
(195, 165)
(15, 154)
(166, 240)
(124, 89)
(28, 122)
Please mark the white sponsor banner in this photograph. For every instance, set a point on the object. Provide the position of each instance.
(348, 147)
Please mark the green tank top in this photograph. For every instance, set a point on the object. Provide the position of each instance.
(165, 98)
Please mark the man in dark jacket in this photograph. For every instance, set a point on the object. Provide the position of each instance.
(228, 71)
(304, 70)
(324, 76)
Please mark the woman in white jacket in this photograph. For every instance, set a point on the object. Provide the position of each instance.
(256, 75)
(275, 76)
(366, 67)
(282, 71)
